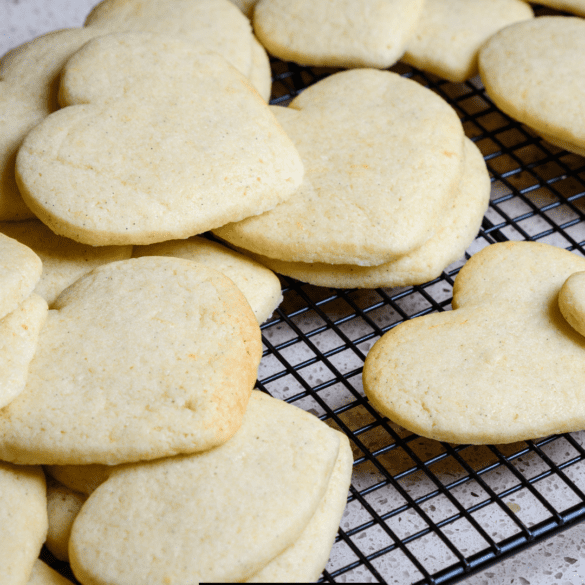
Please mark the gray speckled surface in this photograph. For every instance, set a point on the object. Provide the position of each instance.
(557, 561)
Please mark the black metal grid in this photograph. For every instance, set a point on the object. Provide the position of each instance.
(411, 494)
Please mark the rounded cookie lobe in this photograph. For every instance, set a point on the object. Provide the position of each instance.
(572, 301)
(139, 359)
(450, 34)
(215, 516)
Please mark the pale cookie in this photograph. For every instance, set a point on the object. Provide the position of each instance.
(503, 366)
(139, 359)
(260, 286)
(534, 71)
(80, 478)
(216, 24)
(167, 140)
(28, 94)
(63, 505)
(19, 334)
(218, 516)
(383, 156)
(29, 74)
(20, 270)
(458, 228)
(64, 261)
(344, 33)
(304, 561)
(42, 574)
(572, 301)
(450, 33)
(23, 521)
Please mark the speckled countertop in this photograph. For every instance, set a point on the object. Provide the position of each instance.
(557, 561)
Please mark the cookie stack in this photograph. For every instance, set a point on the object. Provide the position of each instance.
(386, 163)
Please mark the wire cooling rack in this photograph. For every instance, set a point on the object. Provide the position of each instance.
(422, 511)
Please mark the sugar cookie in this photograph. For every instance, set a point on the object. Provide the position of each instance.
(534, 71)
(383, 156)
(217, 516)
(503, 366)
(458, 228)
(345, 33)
(139, 359)
(450, 33)
(199, 149)
(23, 521)
(260, 286)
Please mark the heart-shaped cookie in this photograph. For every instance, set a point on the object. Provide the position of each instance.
(167, 140)
(503, 366)
(218, 516)
(383, 157)
(139, 359)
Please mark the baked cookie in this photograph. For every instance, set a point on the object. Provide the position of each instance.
(214, 24)
(503, 366)
(534, 71)
(19, 335)
(450, 33)
(64, 261)
(220, 516)
(344, 33)
(161, 140)
(458, 228)
(139, 359)
(572, 301)
(383, 156)
(301, 562)
(260, 286)
(23, 521)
